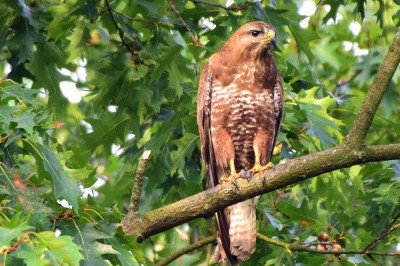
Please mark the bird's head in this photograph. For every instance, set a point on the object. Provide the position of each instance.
(254, 39)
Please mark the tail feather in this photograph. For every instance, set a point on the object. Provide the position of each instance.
(242, 230)
(222, 252)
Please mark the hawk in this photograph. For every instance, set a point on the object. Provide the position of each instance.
(239, 113)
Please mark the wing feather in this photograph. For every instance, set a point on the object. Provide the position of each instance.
(207, 151)
(278, 107)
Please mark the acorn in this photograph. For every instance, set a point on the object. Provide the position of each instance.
(320, 247)
(336, 247)
(323, 237)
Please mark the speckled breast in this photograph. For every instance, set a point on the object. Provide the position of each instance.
(243, 108)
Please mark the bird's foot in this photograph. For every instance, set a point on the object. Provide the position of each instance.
(232, 178)
(260, 169)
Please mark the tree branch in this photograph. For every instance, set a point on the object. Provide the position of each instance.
(148, 21)
(389, 229)
(120, 32)
(198, 244)
(374, 96)
(139, 178)
(192, 36)
(227, 9)
(287, 172)
(300, 248)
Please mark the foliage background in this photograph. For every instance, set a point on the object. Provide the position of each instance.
(67, 166)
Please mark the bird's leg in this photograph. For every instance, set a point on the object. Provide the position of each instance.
(257, 165)
(234, 175)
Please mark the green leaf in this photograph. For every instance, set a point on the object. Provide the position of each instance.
(160, 139)
(25, 121)
(186, 145)
(63, 248)
(86, 236)
(20, 191)
(105, 131)
(334, 6)
(6, 114)
(10, 230)
(47, 75)
(19, 92)
(274, 221)
(321, 124)
(303, 38)
(65, 16)
(78, 42)
(24, 39)
(306, 212)
(63, 186)
(165, 60)
(31, 255)
(78, 174)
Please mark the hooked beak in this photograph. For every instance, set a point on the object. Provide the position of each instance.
(270, 38)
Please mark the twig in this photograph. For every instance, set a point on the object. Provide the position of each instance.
(300, 248)
(341, 83)
(389, 229)
(139, 178)
(195, 40)
(374, 96)
(120, 32)
(177, 254)
(136, 19)
(235, 9)
(98, 15)
(373, 260)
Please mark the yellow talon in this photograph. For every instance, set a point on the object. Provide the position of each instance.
(260, 169)
(234, 175)
(257, 165)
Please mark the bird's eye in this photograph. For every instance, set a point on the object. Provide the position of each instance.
(255, 33)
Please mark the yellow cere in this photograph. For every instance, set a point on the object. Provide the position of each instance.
(269, 36)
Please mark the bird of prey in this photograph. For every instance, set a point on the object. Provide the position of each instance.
(239, 114)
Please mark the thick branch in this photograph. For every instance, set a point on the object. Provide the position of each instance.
(206, 203)
(175, 255)
(374, 96)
